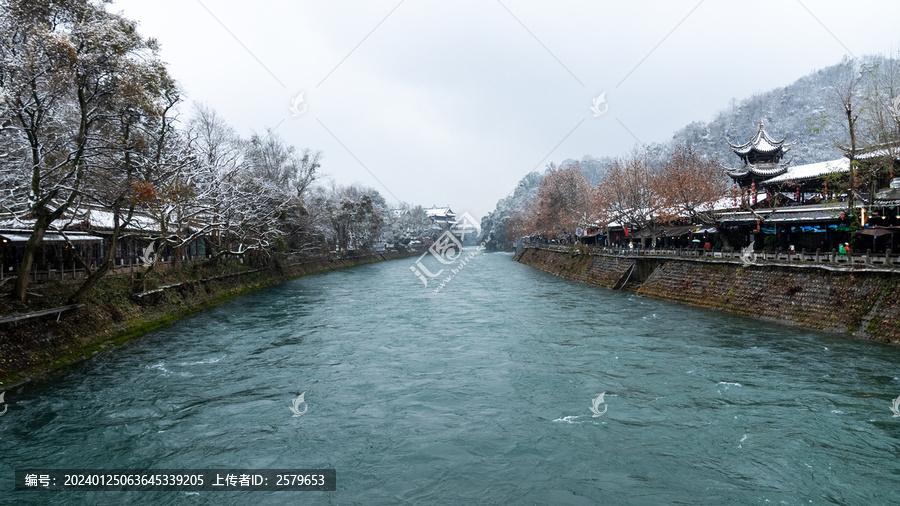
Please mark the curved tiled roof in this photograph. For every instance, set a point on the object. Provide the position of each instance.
(883, 197)
(813, 170)
(762, 142)
(759, 169)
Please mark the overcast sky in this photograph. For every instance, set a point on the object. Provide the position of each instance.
(453, 102)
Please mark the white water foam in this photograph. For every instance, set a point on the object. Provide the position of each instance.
(160, 367)
(202, 362)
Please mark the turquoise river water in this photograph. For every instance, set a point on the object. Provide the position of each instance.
(479, 394)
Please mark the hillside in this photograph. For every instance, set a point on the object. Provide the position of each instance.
(806, 110)
(789, 111)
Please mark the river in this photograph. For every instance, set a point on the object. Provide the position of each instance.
(479, 394)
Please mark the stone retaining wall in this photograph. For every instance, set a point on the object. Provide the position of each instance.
(606, 271)
(864, 304)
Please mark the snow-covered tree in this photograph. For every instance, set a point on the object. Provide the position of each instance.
(349, 217)
(405, 223)
(689, 186)
(67, 71)
(564, 202)
(148, 150)
(495, 226)
(629, 193)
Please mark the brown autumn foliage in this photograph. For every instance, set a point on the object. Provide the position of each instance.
(515, 227)
(689, 186)
(637, 192)
(145, 192)
(634, 191)
(564, 202)
(629, 192)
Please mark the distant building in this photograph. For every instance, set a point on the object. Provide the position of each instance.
(441, 215)
(442, 219)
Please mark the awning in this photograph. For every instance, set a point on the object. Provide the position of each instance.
(51, 237)
(644, 234)
(807, 216)
(692, 229)
(874, 232)
(678, 231)
(783, 217)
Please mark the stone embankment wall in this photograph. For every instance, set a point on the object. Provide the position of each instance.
(864, 303)
(116, 311)
(606, 271)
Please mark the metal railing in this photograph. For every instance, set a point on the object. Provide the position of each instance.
(69, 271)
(867, 259)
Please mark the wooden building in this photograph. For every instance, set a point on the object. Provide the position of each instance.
(781, 205)
(762, 156)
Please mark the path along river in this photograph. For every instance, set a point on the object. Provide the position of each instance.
(480, 394)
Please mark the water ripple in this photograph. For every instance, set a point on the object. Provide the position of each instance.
(476, 395)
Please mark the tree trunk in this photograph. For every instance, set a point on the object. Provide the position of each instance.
(854, 171)
(20, 290)
(105, 265)
(98, 273)
(146, 275)
(95, 276)
(177, 259)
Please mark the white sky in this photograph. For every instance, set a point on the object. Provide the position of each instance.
(453, 102)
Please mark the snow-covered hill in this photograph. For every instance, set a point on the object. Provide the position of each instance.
(808, 111)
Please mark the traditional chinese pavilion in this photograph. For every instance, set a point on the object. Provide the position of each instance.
(762, 157)
(791, 205)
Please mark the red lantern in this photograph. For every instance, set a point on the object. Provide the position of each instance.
(626, 231)
(753, 194)
(757, 226)
(797, 198)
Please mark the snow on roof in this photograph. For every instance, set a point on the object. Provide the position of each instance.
(879, 153)
(14, 223)
(812, 170)
(100, 219)
(51, 237)
(724, 203)
(439, 211)
(760, 142)
(97, 219)
(793, 213)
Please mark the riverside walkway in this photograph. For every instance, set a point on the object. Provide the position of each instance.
(868, 261)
